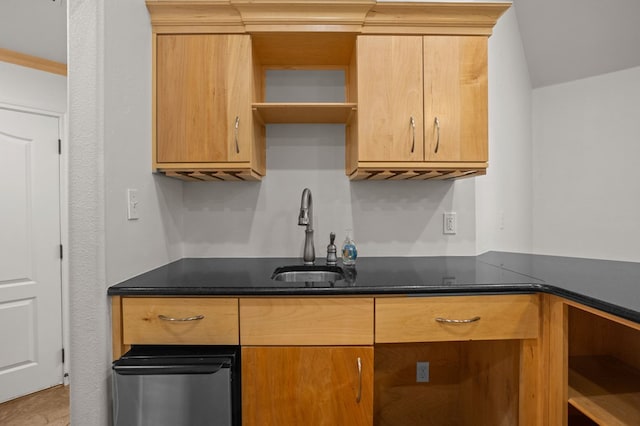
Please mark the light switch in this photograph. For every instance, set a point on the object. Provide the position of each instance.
(132, 204)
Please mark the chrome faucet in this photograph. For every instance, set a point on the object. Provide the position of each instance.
(306, 219)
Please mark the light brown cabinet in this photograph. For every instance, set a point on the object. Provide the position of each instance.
(415, 93)
(483, 354)
(352, 360)
(312, 362)
(307, 385)
(594, 367)
(422, 107)
(204, 88)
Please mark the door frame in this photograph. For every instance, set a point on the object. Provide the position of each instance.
(64, 221)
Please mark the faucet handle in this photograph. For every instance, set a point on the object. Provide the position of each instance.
(332, 258)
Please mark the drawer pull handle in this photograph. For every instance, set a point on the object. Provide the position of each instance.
(193, 318)
(359, 395)
(457, 321)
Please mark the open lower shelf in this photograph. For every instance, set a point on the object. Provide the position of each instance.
(605, 389)
(307, 113)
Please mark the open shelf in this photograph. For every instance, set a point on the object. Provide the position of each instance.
(322, 112)
(605, 389)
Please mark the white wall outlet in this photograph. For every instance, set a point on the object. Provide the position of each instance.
(422, 372)
(132, 204)
(450, 224)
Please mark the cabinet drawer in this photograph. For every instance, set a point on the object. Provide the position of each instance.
(433, 319)
(306, 321)
(143, 321)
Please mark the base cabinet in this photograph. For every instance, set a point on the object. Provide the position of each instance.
(468, 383)
(603, 370)
(320, 386)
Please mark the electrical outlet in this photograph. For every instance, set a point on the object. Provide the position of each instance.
(450, 225)
(132, 204)
(422, 372)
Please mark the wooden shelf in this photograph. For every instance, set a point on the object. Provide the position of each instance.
(605, 389)
(332, 113)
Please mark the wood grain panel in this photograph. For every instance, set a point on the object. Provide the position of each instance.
(399, 400)
(413, 319)
(203, 83)
(337, 113)
(117, 347)
(557, 345)
(143, 326)
(605, 389)
(306, 386)
(456, 92)
(490, 390)
(390, 93)
(470, 383)
(306, 321)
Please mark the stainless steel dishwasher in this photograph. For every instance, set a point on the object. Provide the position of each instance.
(177, 386)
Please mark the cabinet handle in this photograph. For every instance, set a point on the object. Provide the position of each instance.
(359, 395)
(235, 132)
(457, 321)
(437, 122)
(413, 128)
(193, 318)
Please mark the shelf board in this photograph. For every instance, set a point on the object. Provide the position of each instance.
(308, 113)
(605, 389)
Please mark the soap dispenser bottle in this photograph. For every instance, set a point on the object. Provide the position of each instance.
(349, 251)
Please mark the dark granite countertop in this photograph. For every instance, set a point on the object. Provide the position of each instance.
(610, 286)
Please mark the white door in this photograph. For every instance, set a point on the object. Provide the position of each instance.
(30, 266)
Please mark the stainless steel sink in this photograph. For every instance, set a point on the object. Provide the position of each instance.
(308, 273)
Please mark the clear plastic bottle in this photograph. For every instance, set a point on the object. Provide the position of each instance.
(349, 250)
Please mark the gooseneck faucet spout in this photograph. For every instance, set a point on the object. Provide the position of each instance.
(306, 219)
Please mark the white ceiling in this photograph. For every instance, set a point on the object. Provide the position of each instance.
(563, 40)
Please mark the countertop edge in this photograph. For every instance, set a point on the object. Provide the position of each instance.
(416, 291)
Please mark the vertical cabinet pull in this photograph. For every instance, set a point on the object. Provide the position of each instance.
(437, 123)
(413, 129)
(359, 394)
(235, 132)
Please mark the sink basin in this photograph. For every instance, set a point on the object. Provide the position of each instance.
(308, 273)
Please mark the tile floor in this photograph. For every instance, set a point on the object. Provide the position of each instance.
(48, 407)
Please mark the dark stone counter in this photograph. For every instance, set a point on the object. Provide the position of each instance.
(610, 286)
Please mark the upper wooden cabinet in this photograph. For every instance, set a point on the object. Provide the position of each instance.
(390, 99)
(422, 107)
(203, 111)
(415, 84)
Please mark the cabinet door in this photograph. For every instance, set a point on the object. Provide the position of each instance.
(455, 92)
(390, 110)
(203, 98)
(312, 386)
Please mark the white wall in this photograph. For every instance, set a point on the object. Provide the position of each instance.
(586, 185)
(109, 109)
(504, 204)
(134, 246)
(28, 87)
(391, 218)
